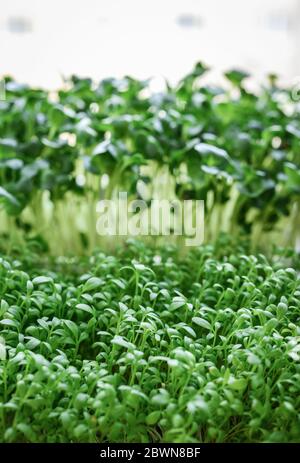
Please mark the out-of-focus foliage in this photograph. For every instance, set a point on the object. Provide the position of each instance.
(237, 150)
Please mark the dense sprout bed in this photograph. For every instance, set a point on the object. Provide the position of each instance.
(148, 346)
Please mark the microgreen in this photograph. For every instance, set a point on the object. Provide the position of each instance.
(237, 150)
(200, 348)
(149, 343)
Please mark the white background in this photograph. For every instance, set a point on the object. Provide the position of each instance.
(40, 40)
